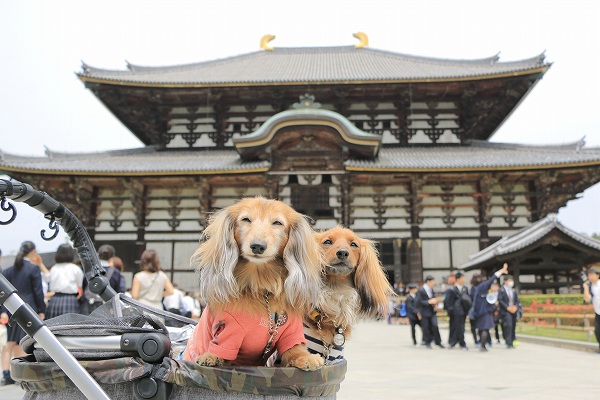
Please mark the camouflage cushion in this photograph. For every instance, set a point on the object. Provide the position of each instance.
(45, 376)
(262, 381)
(258, 380)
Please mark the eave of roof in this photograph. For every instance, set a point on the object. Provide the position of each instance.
(479, 156)
(145, 161)
(525, 237)
(314, 65)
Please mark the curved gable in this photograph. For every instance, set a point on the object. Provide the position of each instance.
(307, 126)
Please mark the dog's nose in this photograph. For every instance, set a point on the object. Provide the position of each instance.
(258, 247)
(342, 254)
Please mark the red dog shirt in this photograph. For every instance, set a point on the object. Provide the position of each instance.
(241, 338)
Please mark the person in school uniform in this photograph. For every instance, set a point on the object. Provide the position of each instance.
(414, 318)
(427, 305)
(591, 294)
(508, 305)
(26, 277)
(65, 281)
(484, 303)
(453, 303)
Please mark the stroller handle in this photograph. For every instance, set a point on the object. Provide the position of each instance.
(56, 211)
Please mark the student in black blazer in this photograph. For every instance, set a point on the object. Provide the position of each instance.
(411, 311)
(427, 306)
(453, 304)
(26, 277)
(508, 305)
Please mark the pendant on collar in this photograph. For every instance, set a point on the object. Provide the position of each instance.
(339, 339)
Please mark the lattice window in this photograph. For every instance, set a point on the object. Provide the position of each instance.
(386, 252)
(311, 200)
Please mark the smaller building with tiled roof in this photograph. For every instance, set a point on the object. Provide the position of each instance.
(543, 248)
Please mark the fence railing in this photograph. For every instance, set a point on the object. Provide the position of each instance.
(557, 321)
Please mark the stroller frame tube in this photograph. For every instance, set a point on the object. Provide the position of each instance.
(34, 326)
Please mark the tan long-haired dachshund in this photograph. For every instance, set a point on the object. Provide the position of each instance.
(260, 271)
(356, 286)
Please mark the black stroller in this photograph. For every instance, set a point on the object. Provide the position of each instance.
(125, 349)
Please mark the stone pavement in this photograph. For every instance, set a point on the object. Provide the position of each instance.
(382, 364)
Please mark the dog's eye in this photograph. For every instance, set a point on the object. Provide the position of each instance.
(277, 223)
(353, 244)
(246, 219)
(328, 242)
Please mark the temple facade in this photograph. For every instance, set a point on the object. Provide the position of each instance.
(395, 147)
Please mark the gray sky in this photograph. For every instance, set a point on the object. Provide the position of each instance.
(42, 44)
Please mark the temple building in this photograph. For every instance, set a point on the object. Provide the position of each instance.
(394, 146)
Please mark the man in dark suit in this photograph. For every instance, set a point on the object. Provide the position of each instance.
(427, 306)
(453, 303)
(508, 304)
(411, 311)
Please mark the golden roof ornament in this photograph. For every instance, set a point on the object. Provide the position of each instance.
(363, 40)
(264, 42)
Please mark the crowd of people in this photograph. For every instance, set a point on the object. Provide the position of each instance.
(486, 305)
(63, 289)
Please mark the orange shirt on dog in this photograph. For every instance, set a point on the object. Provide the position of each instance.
(241, 338)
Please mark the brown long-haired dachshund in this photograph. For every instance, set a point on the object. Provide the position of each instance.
(356, 286)
(260, 271)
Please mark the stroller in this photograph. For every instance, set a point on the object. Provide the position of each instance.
(125, 349)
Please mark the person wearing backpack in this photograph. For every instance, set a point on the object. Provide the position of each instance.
(457, 303)
(105, 253)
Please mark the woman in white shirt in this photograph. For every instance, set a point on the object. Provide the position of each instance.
(150, 285)
(64, 281)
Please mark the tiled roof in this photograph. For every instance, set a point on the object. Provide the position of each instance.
(314, 64)
(479, 155)
(144, 161)
(526, 237)
(148, 160)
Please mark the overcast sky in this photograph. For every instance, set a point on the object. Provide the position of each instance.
(42, 44)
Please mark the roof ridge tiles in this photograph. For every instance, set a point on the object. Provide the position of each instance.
(134, 69)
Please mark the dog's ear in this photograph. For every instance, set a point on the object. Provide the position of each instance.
(217, 257)
(370, 280)
(303, 259)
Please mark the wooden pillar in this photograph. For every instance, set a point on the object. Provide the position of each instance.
(93, 214)
(398, 275)
(483, 197)
(414, 255)
(414, 260)
(203, 186)
(138, 196)
(345, 200)
(515, 273)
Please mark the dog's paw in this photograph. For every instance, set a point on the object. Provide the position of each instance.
(209, 360)
(307, 362)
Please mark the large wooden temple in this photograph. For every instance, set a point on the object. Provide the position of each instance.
(393, 146)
